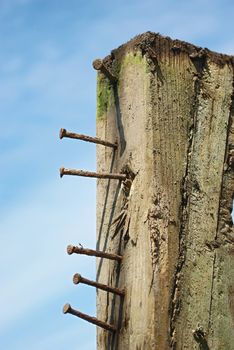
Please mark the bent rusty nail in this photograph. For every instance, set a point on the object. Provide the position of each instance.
(73, 249)
(75, 172)
(77, 278)
(67, 309)
(72, 135)
(98, 64)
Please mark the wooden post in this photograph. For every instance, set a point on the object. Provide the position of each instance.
(172, 114)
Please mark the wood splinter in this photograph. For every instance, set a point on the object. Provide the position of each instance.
(98, 64)
(64, 133)
(91, 252)
(77, 278)
(75, 172)
(67, 309)
(152, 53)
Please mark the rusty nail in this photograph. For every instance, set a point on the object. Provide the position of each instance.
(72, 135)
(70, 249)
(73, 249)
(98, 64)
(62, 133)
(67, 309)
(64, 171)
(77, 278)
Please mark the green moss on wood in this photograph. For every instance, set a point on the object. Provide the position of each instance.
(135, 62)
(105, 93)
(132, 58)
(104, 96)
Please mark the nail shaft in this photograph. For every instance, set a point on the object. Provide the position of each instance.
(73, 249)
(64, 171)
(77, 278)
(67, 309)
(98, 64)
(72, 135)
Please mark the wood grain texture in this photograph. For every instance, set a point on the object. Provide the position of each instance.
(171, 113)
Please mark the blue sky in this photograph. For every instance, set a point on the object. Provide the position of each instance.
(47, 82)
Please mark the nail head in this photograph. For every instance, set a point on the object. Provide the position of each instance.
(70, 249)
(76, 278)
(97, 64)
(61, 170)
(66, 308)
(62, 133)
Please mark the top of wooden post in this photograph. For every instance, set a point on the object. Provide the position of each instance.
(160, 44)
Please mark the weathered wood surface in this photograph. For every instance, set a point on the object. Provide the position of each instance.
(171, 113)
